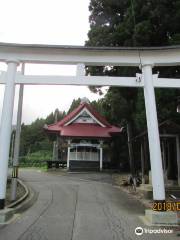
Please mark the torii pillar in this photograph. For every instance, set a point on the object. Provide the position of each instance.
(6, 126)
(153, 135)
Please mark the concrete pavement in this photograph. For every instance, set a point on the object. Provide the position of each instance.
(84, 206)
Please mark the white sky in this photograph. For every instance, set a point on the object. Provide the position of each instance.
(61, 22)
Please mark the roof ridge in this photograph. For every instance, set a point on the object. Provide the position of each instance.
(99, 117)
(77, 110)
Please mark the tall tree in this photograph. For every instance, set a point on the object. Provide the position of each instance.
(134, 23)
(105, 18)
(75, 103)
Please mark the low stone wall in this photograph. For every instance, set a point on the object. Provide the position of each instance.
(20, 192)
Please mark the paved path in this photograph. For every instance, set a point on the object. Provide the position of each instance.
(77, 207)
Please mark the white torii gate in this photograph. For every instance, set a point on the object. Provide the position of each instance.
(146, 58)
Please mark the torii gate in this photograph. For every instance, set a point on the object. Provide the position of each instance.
(14, 54)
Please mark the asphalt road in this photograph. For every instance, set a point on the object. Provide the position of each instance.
(78, 206)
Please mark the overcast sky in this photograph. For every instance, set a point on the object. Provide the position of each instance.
(61, 22)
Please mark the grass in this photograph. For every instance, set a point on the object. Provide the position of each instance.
(43, 168)
(36, 159)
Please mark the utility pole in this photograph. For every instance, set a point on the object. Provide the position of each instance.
(56, 142)
(14, 180)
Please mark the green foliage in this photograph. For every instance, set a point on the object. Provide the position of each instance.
(75, 103)
(128, 23)
(40, 155)
(134, 23)
(33, 136)
(36, 159)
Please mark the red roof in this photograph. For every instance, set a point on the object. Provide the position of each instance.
(68, 129)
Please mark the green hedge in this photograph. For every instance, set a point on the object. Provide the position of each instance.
(36, 159)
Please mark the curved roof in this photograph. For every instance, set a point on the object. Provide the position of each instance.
(77, 110)
(67, 128)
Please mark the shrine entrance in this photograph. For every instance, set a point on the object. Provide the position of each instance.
(145, 58)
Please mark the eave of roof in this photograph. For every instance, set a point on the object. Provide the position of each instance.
(88, 130)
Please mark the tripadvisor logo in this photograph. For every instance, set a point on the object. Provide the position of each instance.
(139, 231)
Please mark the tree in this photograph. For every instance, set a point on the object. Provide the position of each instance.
(75, 103)
(105, 18)
(128, 23)
(33, 136)
(134, 23)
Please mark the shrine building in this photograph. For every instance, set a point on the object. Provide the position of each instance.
(81, 138)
